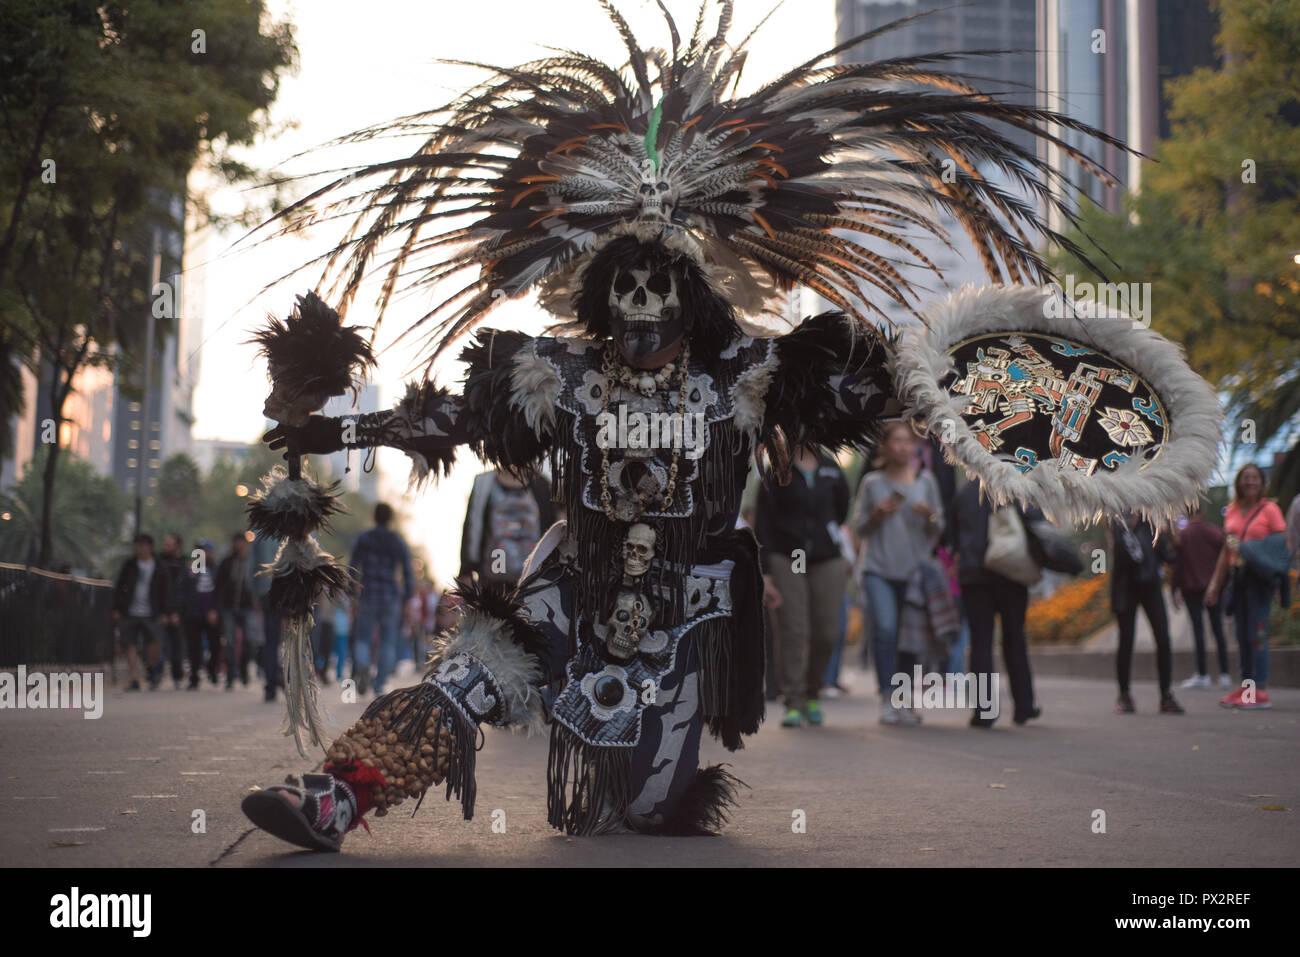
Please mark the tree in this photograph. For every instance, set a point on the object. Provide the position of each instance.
(106, 109)
(1216, 223)
(88, 515)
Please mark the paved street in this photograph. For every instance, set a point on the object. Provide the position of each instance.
(1186, 791)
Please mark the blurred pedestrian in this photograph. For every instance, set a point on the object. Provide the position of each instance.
(139, 599)
(1138, 553)
(172, 565)
(1249, 517)
(898, 517)
(263, 553)
(444, 615)
(504, 520)
(804, 572)
(988, 595)
(420, 612)
(1196, 552)
(236, 602)
(378, 557)
(199, 612)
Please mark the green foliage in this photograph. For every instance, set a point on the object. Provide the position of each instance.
(1217, 250)
(209, 506)
(88, 516)
(107, 108)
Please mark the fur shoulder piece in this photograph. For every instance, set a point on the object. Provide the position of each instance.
(509, 412)
(831, 388)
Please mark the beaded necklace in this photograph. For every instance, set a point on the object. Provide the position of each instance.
(616, 371)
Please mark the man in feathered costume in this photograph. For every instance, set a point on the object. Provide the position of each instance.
(648, 210)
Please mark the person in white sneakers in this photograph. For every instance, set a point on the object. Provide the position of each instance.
(1197, 546)
(898, 517)
(1249, 517)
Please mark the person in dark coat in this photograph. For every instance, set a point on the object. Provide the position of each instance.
(503, 522)
(804, 573)
(199, 612)
(139, 600)
(172, 565)
(987, 595)
(236, 600)
(1197, 548)
(1135, 580)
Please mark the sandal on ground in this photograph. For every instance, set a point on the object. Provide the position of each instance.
(327, 809)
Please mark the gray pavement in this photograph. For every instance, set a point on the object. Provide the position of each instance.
(1176, 791)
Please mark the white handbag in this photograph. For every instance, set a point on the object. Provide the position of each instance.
(1008, 548)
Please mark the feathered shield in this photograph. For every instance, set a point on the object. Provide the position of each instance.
(1080, 410)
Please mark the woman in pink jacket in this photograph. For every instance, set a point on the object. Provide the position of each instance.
(1249, 517)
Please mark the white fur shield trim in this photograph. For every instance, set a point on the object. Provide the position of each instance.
(1157, 489)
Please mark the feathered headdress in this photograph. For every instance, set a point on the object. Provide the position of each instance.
(542, 163)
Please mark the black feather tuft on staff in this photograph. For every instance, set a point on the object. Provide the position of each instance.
(291, 508)
(295, 591)
(311, 351)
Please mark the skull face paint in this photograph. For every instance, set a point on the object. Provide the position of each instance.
(645, 311)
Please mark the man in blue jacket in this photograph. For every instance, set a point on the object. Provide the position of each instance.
(377, 557)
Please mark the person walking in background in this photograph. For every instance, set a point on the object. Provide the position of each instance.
(1249, 517)
(199, 611)
(504, 520)
(988, 596)
(236, 602)
(898, 517)
(263, 553)
(1134, 581)
(378, 557)
(1293, 531)
(139, 599)
(804, 573)
(420, 611)
(172, 565)
(956, 663)
(1196, 552)
(444, 615)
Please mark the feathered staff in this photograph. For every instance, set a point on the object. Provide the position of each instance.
(310, 357)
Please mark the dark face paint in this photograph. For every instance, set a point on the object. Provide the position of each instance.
(645, 311)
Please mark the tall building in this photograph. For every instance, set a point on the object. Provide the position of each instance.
(208, 452)
(974, 25)
(1106, 62)
(150, 428)
(977, 25)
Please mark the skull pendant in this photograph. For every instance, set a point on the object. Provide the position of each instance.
(627, 625)
(638, 550)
